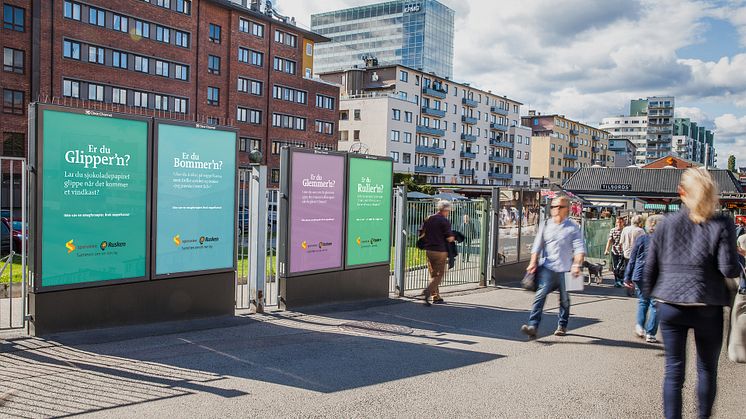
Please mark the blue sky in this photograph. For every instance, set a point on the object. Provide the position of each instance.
(587, 58)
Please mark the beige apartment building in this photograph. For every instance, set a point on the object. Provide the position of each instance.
(446, 132)
(560, 146)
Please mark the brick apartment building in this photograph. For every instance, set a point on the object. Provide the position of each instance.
(213, 61)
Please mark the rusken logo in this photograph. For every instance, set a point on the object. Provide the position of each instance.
(202, 240)
(105, 244)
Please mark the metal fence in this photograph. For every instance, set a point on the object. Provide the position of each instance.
(596, 235)
(13, 242)
(468, 217)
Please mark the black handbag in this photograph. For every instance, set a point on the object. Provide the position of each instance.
(529, 282)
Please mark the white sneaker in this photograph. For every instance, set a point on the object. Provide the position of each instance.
(650, 339)
(639, 331)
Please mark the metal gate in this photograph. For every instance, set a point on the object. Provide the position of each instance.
(470, 217)
(13, 242)
(256, 275)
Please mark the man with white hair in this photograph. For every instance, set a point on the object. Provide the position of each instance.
(558, 249)
(436, 233)
(629, 235)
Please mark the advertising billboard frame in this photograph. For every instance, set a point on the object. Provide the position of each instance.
(351, 156)
(286, 210)
(36, 207)
(154, 207)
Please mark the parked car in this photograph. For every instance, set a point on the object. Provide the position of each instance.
(17, 235)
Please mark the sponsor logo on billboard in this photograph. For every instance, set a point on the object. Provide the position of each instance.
(96, 113)
(70, 246)
(177, 240)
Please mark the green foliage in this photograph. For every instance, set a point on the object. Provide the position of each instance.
(732, 163)
(414, 183)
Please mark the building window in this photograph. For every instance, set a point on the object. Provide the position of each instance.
(13, 144)
(286, 38)
(142, 28)
(161, 102)
(180, 105)
(274, 176)
(141, 64)
(395, 156)
(213, 96)
(96, 16)
(13, 102)
(326, 102)
(284, 65)
(14, 18)
(182, 39)
(356, 135)
(403, 76)
(162, 34)
(119, 59)
(396, 115)
(343, 115)
(184, 6)
(407, 137)
(95, 55)
(181, 72)
(95, 92)
(120, 23)
(309, 49)
(215, 33)
(394, 136)
(289, 94)
(213, 64)
(357, 114)
(71, 10)
(288, 121)
(247, 26)
(119, 96)
(13, 60)
(407, 116)
(323, 127)
(161, 68)
(71, 49)
(141, 99)
(251, 116)
(250, 86)
(406, 158)
(71, 88)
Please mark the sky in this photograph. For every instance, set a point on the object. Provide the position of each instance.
(587, 58)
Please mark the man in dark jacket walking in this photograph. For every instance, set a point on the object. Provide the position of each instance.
(633, 277)
(437, 237)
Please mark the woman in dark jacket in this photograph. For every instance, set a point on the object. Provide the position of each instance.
(689, 258)
(633, 278)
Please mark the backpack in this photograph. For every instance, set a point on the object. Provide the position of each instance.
(421, 236)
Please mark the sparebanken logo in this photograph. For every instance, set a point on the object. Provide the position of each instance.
(177, 240)
(70, 247)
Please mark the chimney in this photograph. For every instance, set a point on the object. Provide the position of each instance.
(531, 112)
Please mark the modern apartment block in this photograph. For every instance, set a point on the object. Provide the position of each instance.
(694, 143)
(443, 131)
(520, 136)
(560, 146)
(414, 33)
(649, 126)
(212, 61)
(624, 151)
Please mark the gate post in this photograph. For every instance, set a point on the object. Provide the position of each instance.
(257, 237)
(493, 237)
(400, 239)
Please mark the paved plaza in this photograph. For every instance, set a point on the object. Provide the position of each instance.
(397, 359)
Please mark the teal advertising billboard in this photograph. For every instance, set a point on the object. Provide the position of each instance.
(195, 199)
(94, 200)
(369, 211)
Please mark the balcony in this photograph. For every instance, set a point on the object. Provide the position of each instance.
(423, 149)
(499, 127)
(498, 159)
(440, 94)
(504, 176)
(421, 129)
(468, 155)
(595, 150)
(499, 111)
(470, 102)
(433, 112)
(570, 169)
(595, 137)
(574, 132)
(469, 120)
(429, 170)
(466, 172)
(468, 137)
(498, 143)
(569, 156)
(573, 144)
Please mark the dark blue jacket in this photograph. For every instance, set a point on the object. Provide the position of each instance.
(636, 263)
(687, 263)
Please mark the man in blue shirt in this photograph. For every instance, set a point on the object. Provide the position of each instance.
(558, 249)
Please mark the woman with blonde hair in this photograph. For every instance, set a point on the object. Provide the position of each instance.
(689, 258)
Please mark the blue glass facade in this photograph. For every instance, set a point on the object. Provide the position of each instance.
(417, 34)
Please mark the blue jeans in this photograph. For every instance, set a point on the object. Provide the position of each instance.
(707, 322)
(644, 305)
(548, 282)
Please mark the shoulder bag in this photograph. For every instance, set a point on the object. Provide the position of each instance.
(737, 334)
(529, 282)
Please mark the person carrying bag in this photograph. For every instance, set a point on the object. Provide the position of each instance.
(737, 335)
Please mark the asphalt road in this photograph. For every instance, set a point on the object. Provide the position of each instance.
(463, 359)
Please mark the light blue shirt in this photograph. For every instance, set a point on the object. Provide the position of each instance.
(560, 243)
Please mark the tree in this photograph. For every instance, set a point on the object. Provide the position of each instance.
(732, 163)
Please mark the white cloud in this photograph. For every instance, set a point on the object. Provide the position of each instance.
(730, 138)
(695, 114)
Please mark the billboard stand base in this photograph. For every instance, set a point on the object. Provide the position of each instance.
(335, 287)
(184, 298)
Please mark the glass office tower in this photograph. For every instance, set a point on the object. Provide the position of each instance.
(417, 34)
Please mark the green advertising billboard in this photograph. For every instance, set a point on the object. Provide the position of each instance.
(369, 211)
(195, 199)
(94, 200)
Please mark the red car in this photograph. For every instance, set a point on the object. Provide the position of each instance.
(16, 236)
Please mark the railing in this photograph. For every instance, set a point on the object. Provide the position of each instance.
(430, 170)
(469, 120)
(423, 149)
(499, 111)
(469, 102)
(570, 156)
(573, 144)
(468, 137)
(421, 129)
(501, 176)
(498, 143)
(574, 132)
(595, 149)
(498, 126)
(433, 112)
(434, 92)
(468, 155)
(498, 159)
(570, 169)
(466, 172)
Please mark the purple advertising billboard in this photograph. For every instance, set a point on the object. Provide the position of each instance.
(316, 212)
